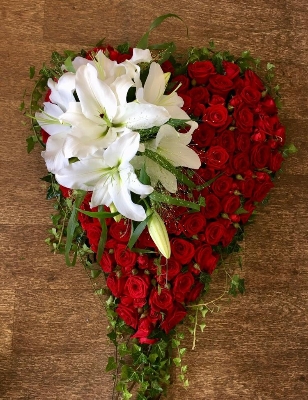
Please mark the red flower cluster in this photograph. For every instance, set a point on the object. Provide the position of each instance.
(238, 140)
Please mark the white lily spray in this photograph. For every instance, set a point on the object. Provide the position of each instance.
(110, 176)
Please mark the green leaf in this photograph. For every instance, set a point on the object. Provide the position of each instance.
(102, 240)
(30, 143)
(202, 326)
(177, 361)
(144, 177)
(32, 72)
(99, 214)
(166, 50)
(143, 42)
(159, 348)
(137, 232)
(241, 210)
(95, 273)
(164, 198)
(123, 48)
(71, 226)
(153, 357)
(111, 365)
(69, 65)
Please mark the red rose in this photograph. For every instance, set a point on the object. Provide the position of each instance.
(216, 157)
(137, 286)
(220, 85)
(217, 100)
(241, 163)
(125, 258)
(66, 192)
(198, 110)
(93, 232)
(204, 135)
(167, 67)
(162, 301)
(205, 258)
(268, 105)
(182, 250)
(226, 140)
(173, 317)
(187, 101)
(120, 230)
(246, 187)
(252, 79)
(243, 142)
(181, 285)
(261, 190)
(280, 135)
(128, 314)
(212, 206)
(222, 185)
(275, 161)
(145, 327)
(195, 292)
(199, 94)
(260, 155)
(216, 116)
(107, 262)
(230, 203)
(249, 207)
(228, 236)
(169, 269)
(250, 95)
(200, 71)
(232, 70)
(193, 223)
(243, 118)
(115, 284)
(183, 81)
(214, 232)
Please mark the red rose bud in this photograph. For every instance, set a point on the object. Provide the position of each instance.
(216, 157)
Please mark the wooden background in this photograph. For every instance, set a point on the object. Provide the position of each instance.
(52, 329)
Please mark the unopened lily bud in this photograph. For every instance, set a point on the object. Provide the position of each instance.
(158, 233)
(113, 209)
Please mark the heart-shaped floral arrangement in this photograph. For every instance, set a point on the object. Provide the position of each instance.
(155, 166)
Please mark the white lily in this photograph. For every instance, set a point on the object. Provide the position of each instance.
(173, 146)
(48, 119)
(104, 107)
(110, 176)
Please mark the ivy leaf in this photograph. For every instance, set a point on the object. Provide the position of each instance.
(111, 365)
(177, 361)
(32, 72)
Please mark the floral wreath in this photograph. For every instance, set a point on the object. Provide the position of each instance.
(155, 163)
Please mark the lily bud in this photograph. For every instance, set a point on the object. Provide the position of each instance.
(158, 233)
(113, 209)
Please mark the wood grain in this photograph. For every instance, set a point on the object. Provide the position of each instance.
(53, 341)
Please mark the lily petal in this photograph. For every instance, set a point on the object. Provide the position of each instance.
(53, 155)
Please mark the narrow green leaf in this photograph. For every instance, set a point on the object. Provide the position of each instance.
(164, 198)
(71, 226)
(30, 144)
(102, 240)
(99, 214)
(137, 232)
(143, 42)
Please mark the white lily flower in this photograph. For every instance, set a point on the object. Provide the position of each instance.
(172, 145)
(104, 107)
(48, 119)
(153, 93)
(62, 91)
(110, 176)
